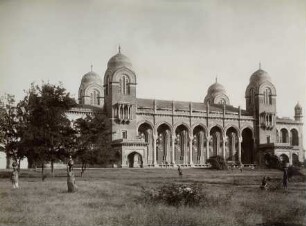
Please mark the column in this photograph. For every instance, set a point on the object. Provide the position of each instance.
(173, 149)
(190, 150)
(184, 146)
(223, 147)
(201, 146)
(167, 145)
(207, 147)
(154, 149)
(239, 149)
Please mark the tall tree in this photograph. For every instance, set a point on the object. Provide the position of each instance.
(93, 146)
(48, 128)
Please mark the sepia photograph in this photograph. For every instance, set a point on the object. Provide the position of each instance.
(158, 112)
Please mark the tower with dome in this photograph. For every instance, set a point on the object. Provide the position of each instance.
(164, 133)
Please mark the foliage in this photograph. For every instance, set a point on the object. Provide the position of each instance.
(44, 132)
(175, 194)
(217, 162)
(92, 140)
(12, 128)
(272, 161)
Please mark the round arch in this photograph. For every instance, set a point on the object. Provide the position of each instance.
(124, 71)
(135, 160)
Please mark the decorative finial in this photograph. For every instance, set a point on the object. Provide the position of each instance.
(91, 66)
(259, 65)
(119, 49)
(216, 78)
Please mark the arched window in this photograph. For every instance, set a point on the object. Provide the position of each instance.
(124, 85)
(222, 101)
(95, 97)
(294, 137)
(284, 136)
(267, 96)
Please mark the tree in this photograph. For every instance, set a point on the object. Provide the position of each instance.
(11, 128)
(93, 145)
(48, 132)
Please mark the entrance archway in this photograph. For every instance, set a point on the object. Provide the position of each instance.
(135, 160)
(247, 146)
(284, 159)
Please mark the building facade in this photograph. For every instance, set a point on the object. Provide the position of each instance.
(156, 133)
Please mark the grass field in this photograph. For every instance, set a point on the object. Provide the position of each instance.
(114, 197)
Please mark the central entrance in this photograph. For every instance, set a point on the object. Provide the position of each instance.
(135, 160)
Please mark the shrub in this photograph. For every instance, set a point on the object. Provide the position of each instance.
(217, 162)
(272, 161)
(175, 194)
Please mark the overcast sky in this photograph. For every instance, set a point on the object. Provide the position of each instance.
(177, 47)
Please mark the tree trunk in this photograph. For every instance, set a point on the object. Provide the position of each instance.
(19, 160)
(42, 172)
(52, 167)
(83, 168)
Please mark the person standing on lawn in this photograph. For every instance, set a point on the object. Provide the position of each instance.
(15, 176)
(180, 172)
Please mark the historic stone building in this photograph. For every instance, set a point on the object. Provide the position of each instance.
(155, 133)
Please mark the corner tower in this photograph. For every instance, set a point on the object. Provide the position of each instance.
(260, 98)
(120, 96)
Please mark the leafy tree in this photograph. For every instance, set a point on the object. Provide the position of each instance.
(12, 128)
(93, 144)
(48, 133)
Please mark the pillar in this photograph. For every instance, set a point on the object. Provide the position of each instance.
(173, 149)
(154, 149)
(190, 150)
(201, 145)
(223, 147)
(239, 149)
(207, 147)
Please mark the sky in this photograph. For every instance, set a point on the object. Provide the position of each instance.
(177, 48)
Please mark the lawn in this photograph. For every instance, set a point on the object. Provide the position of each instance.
(114, 197)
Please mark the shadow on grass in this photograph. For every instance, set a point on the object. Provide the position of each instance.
(278, 224)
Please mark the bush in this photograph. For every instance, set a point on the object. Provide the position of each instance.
(272, 161)
(217, 162)
(175, 195)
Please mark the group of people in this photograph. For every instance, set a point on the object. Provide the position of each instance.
(70, 176)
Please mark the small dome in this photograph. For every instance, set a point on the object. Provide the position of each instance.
(298, 106)
(216, 88)
(259, 77)
(118, 61)
(91, 77)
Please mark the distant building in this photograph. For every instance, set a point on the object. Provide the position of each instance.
(150, 133)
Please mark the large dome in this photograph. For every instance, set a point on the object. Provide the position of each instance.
(91, 77)
(260, 76)
(118, 61)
